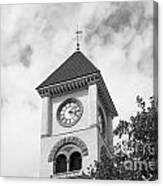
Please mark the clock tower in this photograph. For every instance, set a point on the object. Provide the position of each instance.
(77, 113)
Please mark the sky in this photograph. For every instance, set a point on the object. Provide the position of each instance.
(37, 38)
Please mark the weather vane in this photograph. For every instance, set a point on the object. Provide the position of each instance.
(78, 32)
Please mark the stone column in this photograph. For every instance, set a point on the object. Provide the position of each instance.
(54, 167)
(92, 104)
(68, 165)
(93, 142)
(46, 128)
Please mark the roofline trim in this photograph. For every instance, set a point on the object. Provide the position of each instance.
(68, 81)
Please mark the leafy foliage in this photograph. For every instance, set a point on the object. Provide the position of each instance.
(136, 152)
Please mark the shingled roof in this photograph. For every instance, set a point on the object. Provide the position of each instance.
(77, 68)
(77, 65)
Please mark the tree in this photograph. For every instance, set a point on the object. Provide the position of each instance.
(136, 152)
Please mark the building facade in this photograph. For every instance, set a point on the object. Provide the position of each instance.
(77, 114)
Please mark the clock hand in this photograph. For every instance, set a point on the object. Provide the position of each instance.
(70, 112)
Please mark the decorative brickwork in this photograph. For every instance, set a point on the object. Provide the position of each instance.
(69, 140)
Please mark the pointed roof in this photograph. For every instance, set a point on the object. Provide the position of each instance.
(77, 65)
(79, 68)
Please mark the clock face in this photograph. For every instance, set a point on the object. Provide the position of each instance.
(69, 112)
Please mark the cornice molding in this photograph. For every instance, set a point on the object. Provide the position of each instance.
(68, 86)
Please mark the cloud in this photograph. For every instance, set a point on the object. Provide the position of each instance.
(25, 55)
(124, 26)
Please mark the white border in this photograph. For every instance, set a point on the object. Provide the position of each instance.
(40, 181)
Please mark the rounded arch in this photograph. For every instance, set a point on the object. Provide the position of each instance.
(75, 161)
(69, 140)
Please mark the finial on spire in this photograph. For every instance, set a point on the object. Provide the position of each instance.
(78, 32)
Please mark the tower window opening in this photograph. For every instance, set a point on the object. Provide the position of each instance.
(101, 121)
(75, 161)
(61, 163)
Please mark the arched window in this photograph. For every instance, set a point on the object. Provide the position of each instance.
(75, 161)
(101, 121)
(61, 163)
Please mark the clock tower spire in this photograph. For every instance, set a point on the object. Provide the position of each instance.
(78, 32)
